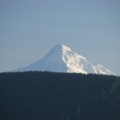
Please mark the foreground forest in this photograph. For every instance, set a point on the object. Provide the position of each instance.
(59, 96)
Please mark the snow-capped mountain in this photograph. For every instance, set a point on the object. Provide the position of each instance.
(62, 59)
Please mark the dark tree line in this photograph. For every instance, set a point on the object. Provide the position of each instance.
(59, 96)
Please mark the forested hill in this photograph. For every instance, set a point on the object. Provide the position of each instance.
(59, 96)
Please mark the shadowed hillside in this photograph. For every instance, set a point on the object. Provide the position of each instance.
(59, 96)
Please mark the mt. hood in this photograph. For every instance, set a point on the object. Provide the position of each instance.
(62, 59)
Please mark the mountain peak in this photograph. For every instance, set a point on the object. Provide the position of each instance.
(62, 47)
(62, 59)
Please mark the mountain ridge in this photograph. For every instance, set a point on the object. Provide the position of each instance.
(62, 59)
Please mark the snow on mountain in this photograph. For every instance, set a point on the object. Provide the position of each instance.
(103, 70)
(62, 59)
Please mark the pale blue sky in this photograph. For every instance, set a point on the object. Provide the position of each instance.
(30, 28)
